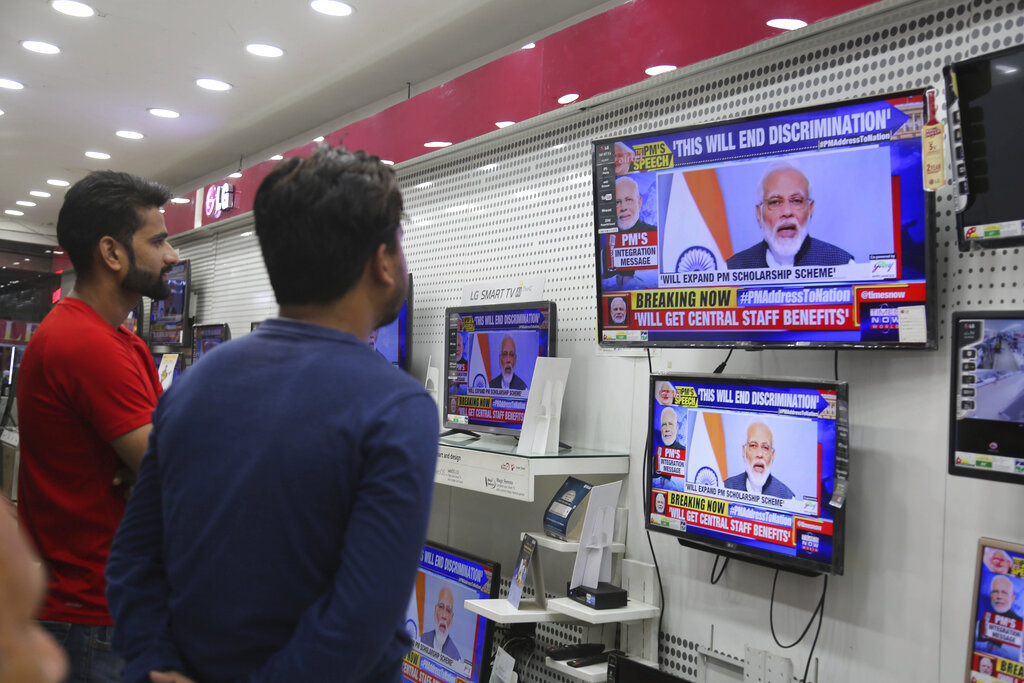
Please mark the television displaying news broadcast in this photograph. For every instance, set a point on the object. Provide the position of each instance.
(808, 227)
(168, 317)
(994, 653)
(492, 352)
(987, 402)
(450, 643)
(751, 467)
(206, 337)
(391, 340)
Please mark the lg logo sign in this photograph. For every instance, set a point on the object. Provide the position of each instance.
(219, 198)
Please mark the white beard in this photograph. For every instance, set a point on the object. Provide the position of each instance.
(757, 478)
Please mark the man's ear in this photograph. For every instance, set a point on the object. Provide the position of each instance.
(383, 267)
(112, 254)
(810, 209)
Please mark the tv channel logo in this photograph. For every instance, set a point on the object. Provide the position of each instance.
(882, 318)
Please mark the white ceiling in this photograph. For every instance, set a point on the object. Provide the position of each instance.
(136, 54)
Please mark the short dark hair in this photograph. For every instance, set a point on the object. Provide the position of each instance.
(100, 204)
(320, 218)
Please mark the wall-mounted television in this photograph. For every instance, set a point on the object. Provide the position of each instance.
(450, 642)
(168, 318)
(984, 97)
(986, 424)
(394, 340)
(133, 323)
(205, 337)
(492, 351)
(809, 227)
(751, 467)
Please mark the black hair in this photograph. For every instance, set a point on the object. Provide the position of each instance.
(319, 219)
(104, 203)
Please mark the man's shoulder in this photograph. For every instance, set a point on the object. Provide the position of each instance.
(495, 382)
(736, 481)
(776, 488)
(751, 257)
(822, 253)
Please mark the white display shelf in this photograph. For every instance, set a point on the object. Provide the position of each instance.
(633, 611)
(555, 545)
(595, 673)
(501, 611)
(491, 465)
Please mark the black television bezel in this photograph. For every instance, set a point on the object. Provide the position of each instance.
(974, 472)
(495, 567)
(225, 336)
(931, 340)
(959, 139)
(740, 551)
(450, 350)
(185, 341)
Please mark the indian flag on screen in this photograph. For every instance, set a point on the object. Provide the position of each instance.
(705, 453)
(694, 227)
(480, 362)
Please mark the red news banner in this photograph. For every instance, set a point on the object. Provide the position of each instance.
(827, 307)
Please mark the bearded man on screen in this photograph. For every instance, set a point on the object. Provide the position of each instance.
(758, 456)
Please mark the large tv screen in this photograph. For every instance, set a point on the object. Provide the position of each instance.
(987, 396)
(450, 643)
(394, 340)
(168, 318)
(803, 228)
(492, 352)
(984, 96)
(751, 467)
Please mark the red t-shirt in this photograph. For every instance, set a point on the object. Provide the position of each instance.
(81, 385)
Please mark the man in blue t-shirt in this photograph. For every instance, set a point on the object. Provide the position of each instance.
(278, 519)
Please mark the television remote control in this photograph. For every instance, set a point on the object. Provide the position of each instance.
(592, 659)
(562, 652)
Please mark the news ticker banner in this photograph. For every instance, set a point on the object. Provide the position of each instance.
(1001, 670)
(769, 309)
(684, 511)
(463, 409)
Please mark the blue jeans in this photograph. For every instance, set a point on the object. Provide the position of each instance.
(90, 657)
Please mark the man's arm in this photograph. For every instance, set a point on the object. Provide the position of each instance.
(351, 627)
(131, 447)
(137, 590)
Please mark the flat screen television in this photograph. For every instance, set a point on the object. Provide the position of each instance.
(133, 323)
(449, 642)
(168, 318)
(987, 396)
(394, 340)
(750, 467)
(809, 227)
(205, 337)
(492, 351)
(623, 669)
(984, 97)
(997, 624)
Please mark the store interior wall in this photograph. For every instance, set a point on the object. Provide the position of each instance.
(518, 204)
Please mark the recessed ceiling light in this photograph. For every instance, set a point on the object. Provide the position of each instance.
(437, 143)
(787, 24)
(26, 259)
(1, 112)
(10, 85)
(528, 46)
(58, 253)
(331, 8)
(236, 174)
(162, 210)
(40, 47)
(387, 162)
(163, 113)
(567, 98)
(58, 183)
(213, 84)
(276, 157)
(504, 124)
(264, 50)
(660, 69)
(129, 134)
(12, 212)
(319, 138)
(180, 200)
(72, 8)
(97, 155)
(22, 202)
(39, 193)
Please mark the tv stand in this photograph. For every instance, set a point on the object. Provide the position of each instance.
(455, 432)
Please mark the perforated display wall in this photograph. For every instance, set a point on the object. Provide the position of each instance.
(517, 203)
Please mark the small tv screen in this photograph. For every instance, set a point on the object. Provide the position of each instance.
(997, 624)
(168, 318)
(809, 227)
(133, 323)
(987, 396)
(750, 467)
(492, 351)
(205, 337)
(450, 643)
(984, 96)
(394, 340)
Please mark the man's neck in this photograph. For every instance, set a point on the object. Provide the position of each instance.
(111, 302)
(339, 315)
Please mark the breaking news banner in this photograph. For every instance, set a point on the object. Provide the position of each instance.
(998, 622)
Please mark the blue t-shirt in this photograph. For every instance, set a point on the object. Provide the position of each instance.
(276, 526)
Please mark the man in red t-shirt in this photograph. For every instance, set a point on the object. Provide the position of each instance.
(86, 392)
